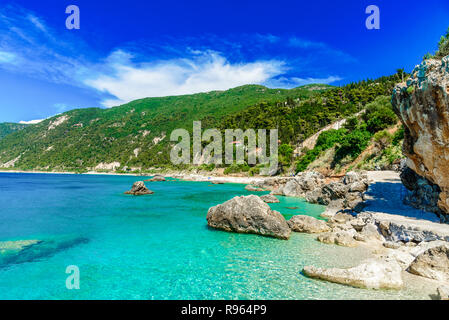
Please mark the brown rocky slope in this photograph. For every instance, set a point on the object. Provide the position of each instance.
(422, 103)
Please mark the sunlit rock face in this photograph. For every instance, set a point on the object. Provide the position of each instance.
(422, 103)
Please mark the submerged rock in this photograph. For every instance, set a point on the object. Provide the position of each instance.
(269, 198)
(433, 263)
(139, 189)
(11, 246)
(14, 252)
(307, 224)
(373, 274)
(248, 214)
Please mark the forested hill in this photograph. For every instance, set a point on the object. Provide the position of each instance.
(134, 134)
(8, 127)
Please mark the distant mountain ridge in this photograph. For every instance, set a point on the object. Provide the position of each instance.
(134, 134)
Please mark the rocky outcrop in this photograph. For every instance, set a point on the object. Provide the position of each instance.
(157, 178)
(139, 189)
(433, 264)
(424, 195)
(404, 255)
(346, 193)
(373, 274)
(248, 214)
(269, 198)
(398, 228)
(423, 107)
(307, 224)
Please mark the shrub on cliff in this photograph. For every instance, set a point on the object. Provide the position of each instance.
(379, 114)
(443, 46)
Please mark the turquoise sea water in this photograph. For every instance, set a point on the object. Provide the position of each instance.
(152, 247)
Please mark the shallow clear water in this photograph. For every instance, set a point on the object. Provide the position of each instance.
(154, 247)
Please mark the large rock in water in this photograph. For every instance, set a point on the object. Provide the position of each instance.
(248, 214)
(139, 189)
(373, 274)
(423, 107)
(433, 263)
(269, 198)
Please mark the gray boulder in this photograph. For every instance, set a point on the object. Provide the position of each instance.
(432, 263)
(373, 274)
(371, 232)
(248, 214)
(292, 189)
(139, 189)
(341, 238)
(269, 198)
(307, 224)
(253, 188)
(156, 178)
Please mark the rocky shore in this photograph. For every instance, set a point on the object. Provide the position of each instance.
(399, 245)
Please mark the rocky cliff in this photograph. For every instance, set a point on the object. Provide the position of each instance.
(422, 103)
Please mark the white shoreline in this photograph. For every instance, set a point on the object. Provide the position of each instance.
(180, 175)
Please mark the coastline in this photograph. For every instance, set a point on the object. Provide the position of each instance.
(176, 174)
(414, 286)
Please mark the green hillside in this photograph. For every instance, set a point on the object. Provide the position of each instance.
(129, 134)
(8, 127)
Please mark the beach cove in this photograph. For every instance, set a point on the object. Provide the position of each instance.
(158, 246)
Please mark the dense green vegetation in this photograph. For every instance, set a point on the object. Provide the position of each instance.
(354, 137)
(298, 119)
(8, 127)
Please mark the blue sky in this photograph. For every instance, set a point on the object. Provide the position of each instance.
(131, 49)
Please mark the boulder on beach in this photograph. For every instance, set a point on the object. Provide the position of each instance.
(307, 224)
(373, 274)
(139, 189)
(341, 238)
(269, 198)
(157, 178)
(248, 214)
(253, 188)
(432, 263)
(217, 182)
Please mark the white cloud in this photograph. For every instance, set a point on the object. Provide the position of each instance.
(7, 57)
(206, 72)
(292, 82)
(31, 121)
